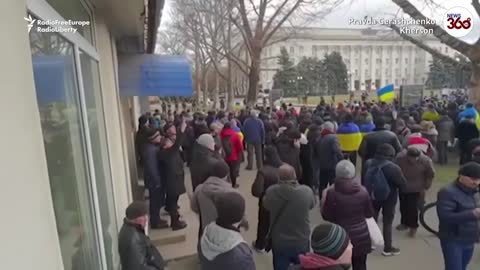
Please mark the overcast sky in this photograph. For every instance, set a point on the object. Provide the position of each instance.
(377, 8)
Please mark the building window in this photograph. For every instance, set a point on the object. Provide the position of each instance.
(301, 50)
(292, 50)
(356, 61)
(387, 61)
(406, 61)
(396, 60)
(379, 61)
(379, 50)
(75, 10)
(356, 72)
(356, 51)
(406, 71)
(377, 72)
(367, 74)
(397, 71)
(366, 61)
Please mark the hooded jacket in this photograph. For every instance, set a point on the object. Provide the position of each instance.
(348, 205)
(222, 249)
(203, 201)
(378, 137)
(235, 142)
(312, 261)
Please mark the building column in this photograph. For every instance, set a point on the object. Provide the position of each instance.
(29, 232)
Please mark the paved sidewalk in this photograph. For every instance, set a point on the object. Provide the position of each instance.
(423, 252)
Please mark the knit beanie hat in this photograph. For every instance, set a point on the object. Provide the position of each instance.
(135, 210)
(329, 126)
(329, 240)
(345, 169)
(206, 140)
(230, 208)
(471, 169)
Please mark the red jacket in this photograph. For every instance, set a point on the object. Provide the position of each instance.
(235, 142)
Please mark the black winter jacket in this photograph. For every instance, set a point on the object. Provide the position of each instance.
(372, 140)
(136, 250)
(202, 162)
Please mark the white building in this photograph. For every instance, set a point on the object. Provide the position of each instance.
(374, 58)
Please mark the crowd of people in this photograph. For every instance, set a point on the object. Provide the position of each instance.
(303, 157)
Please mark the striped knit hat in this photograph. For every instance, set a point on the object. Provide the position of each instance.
(329, 240)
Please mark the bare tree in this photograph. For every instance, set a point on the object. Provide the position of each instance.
(171, 41)
(259, 20)
(471, 51)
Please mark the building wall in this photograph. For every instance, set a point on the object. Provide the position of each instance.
(28, 231)
(113, 116)
(368, 57)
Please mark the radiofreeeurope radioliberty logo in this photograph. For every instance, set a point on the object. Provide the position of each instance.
(458, 21)
(54, 26)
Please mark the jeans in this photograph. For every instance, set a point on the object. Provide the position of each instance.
(263, 226)
(156, 201)
(409, 204)
(283, 257)
(388, 213)
(456, 256)
(326, 177)
(258, 155)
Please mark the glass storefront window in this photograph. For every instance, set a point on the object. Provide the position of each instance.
(75, 10)
(98, 137)
(58, 103)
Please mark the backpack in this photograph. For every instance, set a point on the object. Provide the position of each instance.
(227, 145)
(376, 183)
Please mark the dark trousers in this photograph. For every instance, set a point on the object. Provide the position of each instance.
(456, 256)
(352, 156)
(156, 201)
(409, 205)
(263, 226)
(171, 205)
(388, 213)
(442, 148)
(326, 177)
(258, 155)
(359, 262)
(234, 169)
(283, 257)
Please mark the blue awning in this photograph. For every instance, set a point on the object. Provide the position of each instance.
(155, 75)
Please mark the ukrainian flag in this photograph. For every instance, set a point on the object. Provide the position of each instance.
(239, 132)
(349, 137)
(471, 112)
(367, 128)
(386, 93)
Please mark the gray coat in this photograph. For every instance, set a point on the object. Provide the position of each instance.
(289, 204)
(327, 152)
(445, 128)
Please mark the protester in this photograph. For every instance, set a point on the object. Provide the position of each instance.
(348, 205)
(466, 131)
(458, 214)
(289, 204)
(233, 149)
(402, 131)
(254, 133)
(446, 133)
(222, 246)
(136, 250)
(216, 129)
(419, 173)
(383, 179)
(141, 138)
(203, 158)
(288, 147)
(417, 140)
(203, 200)
(328, 153)
(152, 176)
(266, 177)
(378, 137)
(431, 113)
(175, 178)
(429, 132)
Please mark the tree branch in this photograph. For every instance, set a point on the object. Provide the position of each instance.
(243, 14)
(441, 34)
(268, 36)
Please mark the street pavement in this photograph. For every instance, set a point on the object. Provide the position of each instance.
(422, 252)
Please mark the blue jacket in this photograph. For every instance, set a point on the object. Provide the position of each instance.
(254, 131)
(455, 205)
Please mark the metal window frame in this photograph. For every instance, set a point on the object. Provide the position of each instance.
(43, 10)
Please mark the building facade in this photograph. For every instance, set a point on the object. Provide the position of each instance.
(374, 58)
(65, 157)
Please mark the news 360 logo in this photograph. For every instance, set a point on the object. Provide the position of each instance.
(458, 21)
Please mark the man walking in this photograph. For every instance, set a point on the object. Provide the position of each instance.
(419, 173)
(458, 214)
(233, 150)
(383, 179)
(136, 250)
(254, 132)
(289, 204)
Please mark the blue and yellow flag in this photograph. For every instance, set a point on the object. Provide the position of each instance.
(349, 137)
(386, 93)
